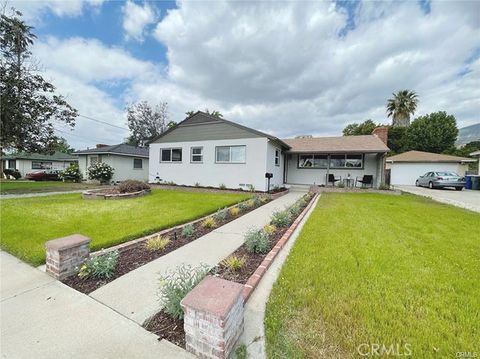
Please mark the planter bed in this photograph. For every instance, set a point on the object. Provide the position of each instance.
(112, 194)
(172, 330)
(133, 254)
(273, 192)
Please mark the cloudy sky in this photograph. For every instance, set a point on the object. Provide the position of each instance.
(287, 68)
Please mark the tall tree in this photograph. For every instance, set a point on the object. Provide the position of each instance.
(62, 146)
(29, 106)
(401, 107)
(364, 128)
(435, 132)
(146, 122)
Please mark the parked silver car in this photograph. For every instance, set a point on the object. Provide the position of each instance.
(441, 180)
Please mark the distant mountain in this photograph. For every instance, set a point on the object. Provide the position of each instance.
(468, 134)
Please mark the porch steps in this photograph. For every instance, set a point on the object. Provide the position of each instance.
(299, 187)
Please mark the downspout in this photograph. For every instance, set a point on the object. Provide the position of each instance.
(328, 170)
(285, 167)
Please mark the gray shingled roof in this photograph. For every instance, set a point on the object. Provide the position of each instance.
(120, 149)
(57, 156)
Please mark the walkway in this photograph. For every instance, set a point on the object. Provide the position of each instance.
(42, 318)
(41, 194)
(467, 199)
(135, 294)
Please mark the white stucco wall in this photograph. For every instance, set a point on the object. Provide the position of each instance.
(317, 176)
(404, 173)
(123, 166)
(209, 173)
(277, 171)
(25, 166)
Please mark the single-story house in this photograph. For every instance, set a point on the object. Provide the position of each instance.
(129, 162)
(477, 155)
(209, 151)
(406, 167)
(30, 162)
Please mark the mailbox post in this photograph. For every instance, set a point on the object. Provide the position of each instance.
(268, 176)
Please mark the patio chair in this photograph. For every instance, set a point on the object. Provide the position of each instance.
(331, 179)
(367, 180)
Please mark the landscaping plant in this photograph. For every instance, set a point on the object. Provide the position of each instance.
(101, 266)
(130, 186)
(221, 214)
(234, 211)
(10, 172)
(270, 229)
(256, 241)
(281, 218)
(175, 285)
(100, 171)
(243, 206)
(188, 230)
(234, 263)
(209, 222)
(222, 186)
(71, 173)
(157, 243)
(294, 209)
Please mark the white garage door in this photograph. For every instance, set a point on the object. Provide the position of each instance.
(407, 173)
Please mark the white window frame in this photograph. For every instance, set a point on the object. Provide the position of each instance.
(230, 154)
(192, 154)
(277, 157)
(171, 154)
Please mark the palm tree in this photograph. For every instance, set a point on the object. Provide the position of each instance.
(401, 106)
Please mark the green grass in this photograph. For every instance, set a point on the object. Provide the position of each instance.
(379, 269)
(27, 223)
(22, 186)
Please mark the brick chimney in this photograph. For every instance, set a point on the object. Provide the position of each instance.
(100, 145)
(381, 133)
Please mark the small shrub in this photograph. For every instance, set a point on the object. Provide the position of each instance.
(130, 186)
(234, 263)
(175, 285)
(101, 266)
(209, 222)
(157, 243)
(100, 171)
(384, 187)
(170, 183)
(188, 230)
(71, 173)
(270, 229)
(243, 206)
(257, 201)
(241, 352)
(256, 241)
(250, 203)
(222, 186)
(10, 172)
(281, 218)
(251, 187)
(234, 211)
(197, 184)
(341, 185)
(294, 209)
(221, 214)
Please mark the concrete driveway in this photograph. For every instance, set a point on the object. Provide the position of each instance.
(467, 199)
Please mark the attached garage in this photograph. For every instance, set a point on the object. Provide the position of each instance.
(406, 167)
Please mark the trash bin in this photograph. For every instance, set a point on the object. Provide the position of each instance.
(476, 183)
(468, 182)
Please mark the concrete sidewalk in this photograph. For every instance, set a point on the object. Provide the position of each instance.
(40, 194)
(43, 318)
(135, 294)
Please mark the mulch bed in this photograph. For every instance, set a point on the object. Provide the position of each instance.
(167, 328)
(171, 329)
(137, 256)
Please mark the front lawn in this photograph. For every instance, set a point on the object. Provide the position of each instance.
(23, 186)
(27, 223)
(372, 273)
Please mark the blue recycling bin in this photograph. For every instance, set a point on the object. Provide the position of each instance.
(468, 182)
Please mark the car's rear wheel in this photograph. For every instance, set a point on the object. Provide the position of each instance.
(416, 183)
(458, 188)
(430, 185)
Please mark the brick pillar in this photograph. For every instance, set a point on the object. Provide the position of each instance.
(65, 255)
(213, 318)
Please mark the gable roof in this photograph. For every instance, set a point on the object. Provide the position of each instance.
(200, 118)
(364, 144)
(420, 156)
(57, 156)
(120, 149)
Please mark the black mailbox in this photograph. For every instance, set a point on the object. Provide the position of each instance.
(268, 175)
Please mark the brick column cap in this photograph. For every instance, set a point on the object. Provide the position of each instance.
(213, 295)
(74, 240)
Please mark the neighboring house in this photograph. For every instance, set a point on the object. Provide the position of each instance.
(477, 154)
(406, 167)
(129, 162)
(30, 162)
(211, 151)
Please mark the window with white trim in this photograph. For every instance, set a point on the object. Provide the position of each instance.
(196, 154)
(277, 157)
(171, 155)
(230, 154)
